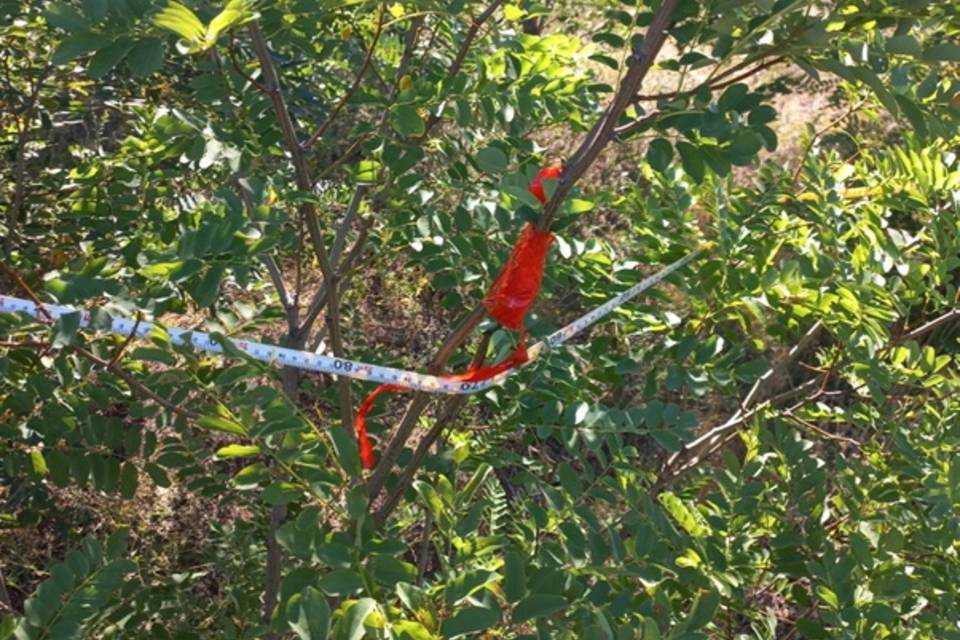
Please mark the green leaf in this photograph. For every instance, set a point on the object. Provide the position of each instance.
(744, 147)
(281, 493)
(514, 576)
(65, 329)
(569, 480)
(146, 57)
(206, 291)
(689, 518)
(237, 451)
(236, 13)
(38, 463)
(944, 52)
(659, 154)
(873, 81)
(512, 12)
(345, 448)
(761, 115)
(129, 479)
(692, 162)
(74, 46)
(218, 423)
(117, 543)
(350, 626)
(469, 620)
(410, 630)
(107, 58)
(95, 10)
(828, 596)
(732, 97)
(906, 45)
(341, 582)
(704, 609)
(368, 171)
(537, 606)
(407, 121)
(182, 21)
(157, 475)
(308, 614)
(59, 467)
(491, 160)
(65, 17)
(390, 570)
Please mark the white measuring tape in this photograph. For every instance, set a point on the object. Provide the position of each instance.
(341, 366)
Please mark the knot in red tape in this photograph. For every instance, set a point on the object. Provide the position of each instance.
(507, 301)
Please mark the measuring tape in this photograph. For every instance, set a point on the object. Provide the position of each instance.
(282, 356)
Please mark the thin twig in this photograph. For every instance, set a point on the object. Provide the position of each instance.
(137, 385)
(461, 56)
(639, 64)
(20, 161)
(231, 53)
(816, 136)
(289, 307)
(637, 125)
(133, 333)
(27, 290)
(716, 83)
(747, 409)
(812, 427)
(927, 327)
(4, 595)
(24, 344)
(356, 83)
(345, 269)
(343, 157)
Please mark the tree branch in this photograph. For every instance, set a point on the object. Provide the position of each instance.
(640, 62)
(419, 403)
(232, 54)
(135, 384)
(344, 271)
(461, 56)
(927, 327)
(305, 183)
(20, 162)
(637, 125)
(717, 82)
(601, 134)
(757, 394)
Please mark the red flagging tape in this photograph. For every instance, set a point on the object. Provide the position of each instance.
(518, 284)
(536, 187)
(507, 302)
(360, 423)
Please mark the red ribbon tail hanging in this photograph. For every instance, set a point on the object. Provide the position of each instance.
(367, 457)
(473, 374)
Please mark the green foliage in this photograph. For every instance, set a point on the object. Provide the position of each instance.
(619, 487)
(79, 591)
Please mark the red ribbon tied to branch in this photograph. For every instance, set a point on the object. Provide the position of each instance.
(507, 302)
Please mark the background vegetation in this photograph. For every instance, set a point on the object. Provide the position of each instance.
(764, 447)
